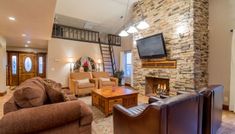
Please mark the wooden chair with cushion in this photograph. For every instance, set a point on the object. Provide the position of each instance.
(81, 83)
(104, 79)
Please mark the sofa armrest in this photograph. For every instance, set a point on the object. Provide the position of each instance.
(154, 115)
(95, 81)
(72, 85)
(30, 120)
(114, 80)
(153, 99)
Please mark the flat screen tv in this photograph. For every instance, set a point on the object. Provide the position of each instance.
(152, 47)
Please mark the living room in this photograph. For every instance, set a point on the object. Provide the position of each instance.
(122, 67)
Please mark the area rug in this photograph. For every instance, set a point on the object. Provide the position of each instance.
(102, 124)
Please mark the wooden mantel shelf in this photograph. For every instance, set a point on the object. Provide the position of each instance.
(162, 63)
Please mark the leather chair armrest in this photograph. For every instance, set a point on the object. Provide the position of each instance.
(95, 81)
(114, 80)
(41, 118)
(154, 114)
(153, 99)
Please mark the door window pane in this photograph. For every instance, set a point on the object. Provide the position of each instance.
(128, 64)
(28, 64)
(40, 65)
(14, 65)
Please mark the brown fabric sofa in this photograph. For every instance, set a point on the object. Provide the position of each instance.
(175, 115)
(113, 81)
(82, 89)
(43, 109)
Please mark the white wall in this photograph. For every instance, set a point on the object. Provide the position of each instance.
(59, 50)
(221, 21)
(3, 63)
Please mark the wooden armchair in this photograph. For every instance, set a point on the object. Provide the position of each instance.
(104, 80)
(82, 88)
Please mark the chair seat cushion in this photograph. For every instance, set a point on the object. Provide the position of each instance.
(87, 85)
(138, 109)
(108, 83)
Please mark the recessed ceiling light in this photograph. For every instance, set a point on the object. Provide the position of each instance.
(23, 35)
(12, 18)
(26, 45)
(28, 42)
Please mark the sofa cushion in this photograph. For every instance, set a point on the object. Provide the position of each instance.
(88, 85)
(104, 79)
(108, 83)
(83, 81)
(30, 93)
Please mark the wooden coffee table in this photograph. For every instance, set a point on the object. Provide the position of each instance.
(107, 97)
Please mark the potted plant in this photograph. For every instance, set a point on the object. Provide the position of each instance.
(119, 74)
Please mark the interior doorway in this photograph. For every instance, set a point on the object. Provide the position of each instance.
(23, 65)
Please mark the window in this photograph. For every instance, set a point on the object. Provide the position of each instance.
(128, 64)
(40, 65)
(14, 65)
(28, 64)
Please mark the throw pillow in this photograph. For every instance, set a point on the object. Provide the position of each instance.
(30, 93)
(104, 79)
(83, 81)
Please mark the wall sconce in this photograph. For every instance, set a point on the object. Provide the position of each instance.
(71, 60)
(181, 30)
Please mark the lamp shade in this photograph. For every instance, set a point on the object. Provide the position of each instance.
(123, 33)
(132, 29)
(143, 25)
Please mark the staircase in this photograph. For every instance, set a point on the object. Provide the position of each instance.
(108, 58)
(107, 53)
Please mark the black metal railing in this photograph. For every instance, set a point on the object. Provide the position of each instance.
(73, 33)
(78, 34)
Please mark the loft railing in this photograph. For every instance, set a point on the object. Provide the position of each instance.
(73, 33)
(77, 34)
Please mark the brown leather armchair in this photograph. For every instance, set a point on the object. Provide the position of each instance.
(212, 108)
(113, 81)
(175, 115)
(81, 89)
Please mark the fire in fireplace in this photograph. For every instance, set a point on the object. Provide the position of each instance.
(156, 86)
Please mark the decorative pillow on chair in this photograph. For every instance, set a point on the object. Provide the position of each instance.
(83, 81)
(104, 79)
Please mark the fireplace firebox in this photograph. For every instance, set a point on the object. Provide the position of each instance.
(156, 86)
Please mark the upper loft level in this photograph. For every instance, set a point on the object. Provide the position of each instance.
(78, 34)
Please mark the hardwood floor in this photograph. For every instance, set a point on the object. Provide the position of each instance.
(228, 123)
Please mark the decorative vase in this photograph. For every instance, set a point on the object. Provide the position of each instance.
(86, 68)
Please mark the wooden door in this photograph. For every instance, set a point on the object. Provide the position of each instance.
(27, 66)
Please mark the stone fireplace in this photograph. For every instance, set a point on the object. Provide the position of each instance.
(184, 25)
(156, 86)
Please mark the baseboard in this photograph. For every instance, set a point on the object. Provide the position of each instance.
(225, 107)
(3, 93)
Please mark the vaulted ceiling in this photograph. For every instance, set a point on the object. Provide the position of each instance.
(98, 15)
(35, 18)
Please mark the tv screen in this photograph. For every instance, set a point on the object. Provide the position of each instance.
(151, 47)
